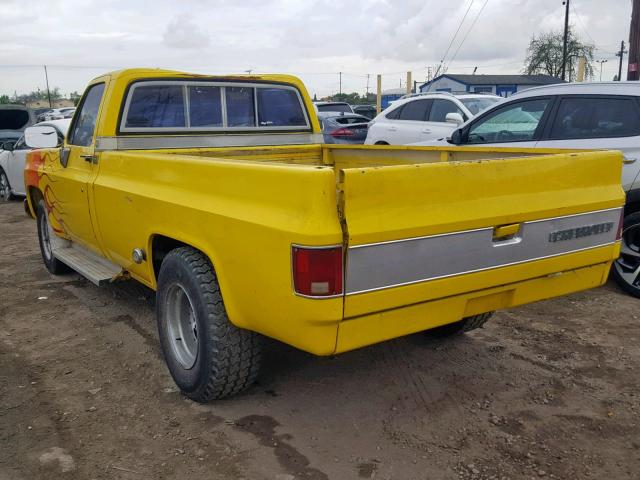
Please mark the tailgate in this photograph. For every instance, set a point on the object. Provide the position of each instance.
(432, 230)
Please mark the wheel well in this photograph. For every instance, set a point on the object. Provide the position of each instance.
(160, 247)
(381, 143)
(35, 196)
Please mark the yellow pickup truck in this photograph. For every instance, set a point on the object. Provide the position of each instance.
(217, 193)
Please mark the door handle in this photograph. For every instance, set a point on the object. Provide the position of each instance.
(628, 160)
(426, 130)
(89, 157)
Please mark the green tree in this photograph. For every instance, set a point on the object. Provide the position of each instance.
(75, 97)
(4, 99)
(39, 95)
(351, 98)
(544, 55)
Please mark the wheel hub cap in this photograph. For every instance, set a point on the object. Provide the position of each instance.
(628, 265)
(181, 326)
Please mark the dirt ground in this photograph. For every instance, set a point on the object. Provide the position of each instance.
(550, 390)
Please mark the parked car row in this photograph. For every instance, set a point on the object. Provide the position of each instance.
(56, 114)
(414, 118)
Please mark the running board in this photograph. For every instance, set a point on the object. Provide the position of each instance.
(93, 267)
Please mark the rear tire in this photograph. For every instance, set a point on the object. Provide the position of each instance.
(208, 357)
(462, 326)
(381, 143)
(5, 188)
(626, 269)
(45, 232)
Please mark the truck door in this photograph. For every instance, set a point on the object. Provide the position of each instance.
(68, 196)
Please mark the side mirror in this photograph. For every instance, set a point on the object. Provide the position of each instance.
(456, 136)
(41, 137)
(8, 146)
(454, 117)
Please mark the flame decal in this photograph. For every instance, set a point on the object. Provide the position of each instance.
(39, 173)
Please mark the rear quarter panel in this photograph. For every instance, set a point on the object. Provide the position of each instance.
(243, 215)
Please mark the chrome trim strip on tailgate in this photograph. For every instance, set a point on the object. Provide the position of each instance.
(384, 265)
(154, 142)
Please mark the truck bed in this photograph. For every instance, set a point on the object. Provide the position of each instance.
(429, 235)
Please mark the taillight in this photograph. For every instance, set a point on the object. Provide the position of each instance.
(620, 225)
(342, 132)
(317, 272)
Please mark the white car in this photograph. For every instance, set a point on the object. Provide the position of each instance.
(57, 113)
(573, 116)
(12, 161)
(425, 117)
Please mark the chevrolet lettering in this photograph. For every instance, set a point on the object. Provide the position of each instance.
(586, 231)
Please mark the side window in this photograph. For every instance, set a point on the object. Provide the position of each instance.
(394, 114)
(240, 107)
(205, 106)
(85, 121)
(156, 106)
(415, 110)
(516, 122)
(278, 107)
(440, 108)
(596, 118)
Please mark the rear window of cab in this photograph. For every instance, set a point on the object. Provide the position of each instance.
(178, 106)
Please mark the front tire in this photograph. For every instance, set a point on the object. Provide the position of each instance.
(462, 326)
(5, 187)
(45, 236)
(626, 269)
(208, 357)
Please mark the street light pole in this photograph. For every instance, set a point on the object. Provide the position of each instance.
(601, 62)
(566, 38)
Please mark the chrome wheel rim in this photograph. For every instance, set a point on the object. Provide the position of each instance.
(181, 326)
(628, 265)
(45, 232)
(4, 186)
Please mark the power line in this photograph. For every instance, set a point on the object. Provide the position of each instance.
(453, 38)
(584, 28)
(468, 31)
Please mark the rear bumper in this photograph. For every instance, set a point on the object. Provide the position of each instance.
(369, 329)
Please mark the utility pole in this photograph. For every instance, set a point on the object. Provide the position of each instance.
(634, 43)
(340, 73)
(379, 94)
(566, 38)
(368, 85)
(601, 62)
(46, 76)
(620, 54)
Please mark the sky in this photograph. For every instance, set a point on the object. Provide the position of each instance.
(314, 39)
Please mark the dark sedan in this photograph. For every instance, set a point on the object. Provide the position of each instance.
(343, 127)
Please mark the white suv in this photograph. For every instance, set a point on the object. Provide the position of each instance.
(603, 115)
(425, 116)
